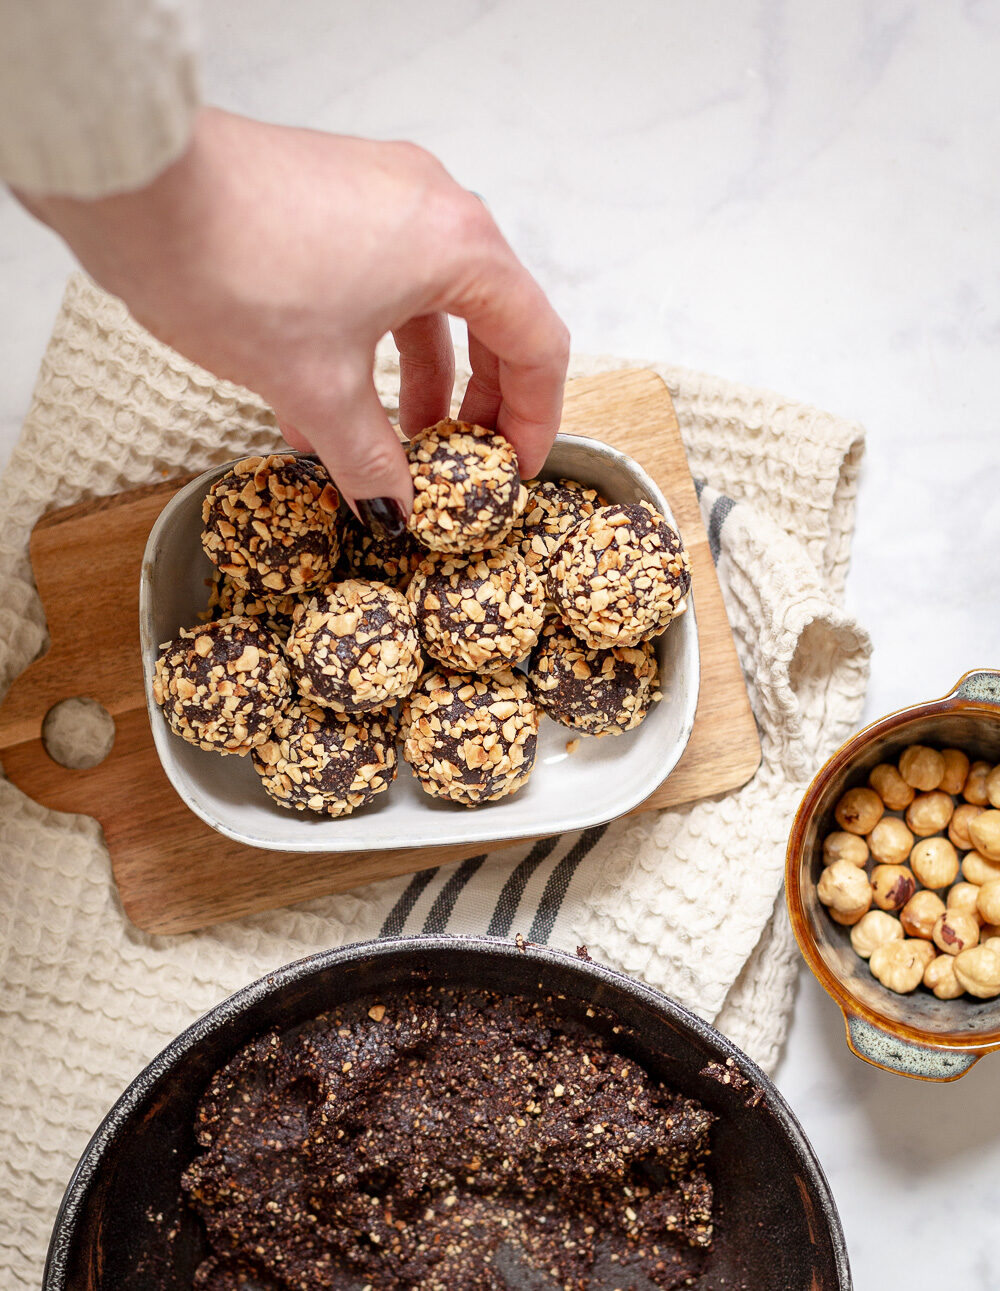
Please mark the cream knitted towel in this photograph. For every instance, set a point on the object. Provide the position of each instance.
(685, 899)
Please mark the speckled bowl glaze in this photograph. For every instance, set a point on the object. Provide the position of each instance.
(123, 1227)
(916, 1035)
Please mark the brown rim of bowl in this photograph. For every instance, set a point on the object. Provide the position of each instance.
(850, 1006)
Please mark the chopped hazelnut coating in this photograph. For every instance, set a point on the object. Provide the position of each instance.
(620, 576)
(841, 846)
(956, 770)
(553, 508)
(954, 932)
(477, 613)
(978, 970)
(222, 685)
(958, 826)
(448, 1140)
(921, 767)
(271, 524)
(974, 790)
(364, 554)
(984, 830)
(321, 760)
(470, 738)
(892, 886)
(890, 841)
(354, 647)
(988, 902)
(874, 930)
(467, 492)
(939, 977)
(899, 965)
(890, 786)
(859, 811)
(920, 914)
(845, 890)
(227, 600)
(978, 869)
(929, 813)
(599, 692)
(934, 862)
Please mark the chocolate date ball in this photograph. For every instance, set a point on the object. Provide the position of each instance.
(620, 576)
(477, 613)
(377, 558)
(317, 759)
(552, 509)
(354, 647)
(469, 738)
(228, 600)
(598, 692)
(271, 524)
(466, 489)
(222, 686)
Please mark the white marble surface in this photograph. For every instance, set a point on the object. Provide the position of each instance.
(799, 196)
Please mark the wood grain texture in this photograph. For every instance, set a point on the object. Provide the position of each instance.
(173, 872)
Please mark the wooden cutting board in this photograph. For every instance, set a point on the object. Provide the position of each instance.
(173, 872)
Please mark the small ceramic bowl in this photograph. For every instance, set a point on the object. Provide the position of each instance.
(601, 779)
(916, 1035)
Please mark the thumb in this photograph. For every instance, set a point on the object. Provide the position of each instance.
(366, 460)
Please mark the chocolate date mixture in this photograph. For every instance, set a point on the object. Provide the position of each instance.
(447, 1140)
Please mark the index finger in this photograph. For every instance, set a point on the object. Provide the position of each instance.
(511, 321)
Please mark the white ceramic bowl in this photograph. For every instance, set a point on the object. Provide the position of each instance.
(602, 779)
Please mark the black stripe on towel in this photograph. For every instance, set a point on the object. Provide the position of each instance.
(558, 884)
(395, 920)
(720, 510)
(513, 889)
(444, 902)
(698, 487)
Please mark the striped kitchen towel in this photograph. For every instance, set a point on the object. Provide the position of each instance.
(688, 898)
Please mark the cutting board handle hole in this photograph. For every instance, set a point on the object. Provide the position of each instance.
(78, 733)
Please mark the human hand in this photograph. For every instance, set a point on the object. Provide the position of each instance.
(278, 258)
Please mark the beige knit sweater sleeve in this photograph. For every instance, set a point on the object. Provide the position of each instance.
(96, 96)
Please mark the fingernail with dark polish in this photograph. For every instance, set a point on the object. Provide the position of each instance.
(383, 516)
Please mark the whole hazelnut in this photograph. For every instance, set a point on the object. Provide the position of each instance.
(890, 841)
(993, 787)
(921, 767)
(934, 862)
(874, 930)
(988, 902)
(956, 768)
(939, 976)
(955, 932)
(859, 811)
(899, 965)
(979, 869)
(920, 914)
(974, 789)
(890, 786)
(929, 813)
(984, 831)
(978, 971)
(845, 890)
(963, 897)
(958, 826)
(841, 846)
(924, 950)
(892, 886)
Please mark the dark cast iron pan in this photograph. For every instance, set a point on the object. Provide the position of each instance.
(123, 1226)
